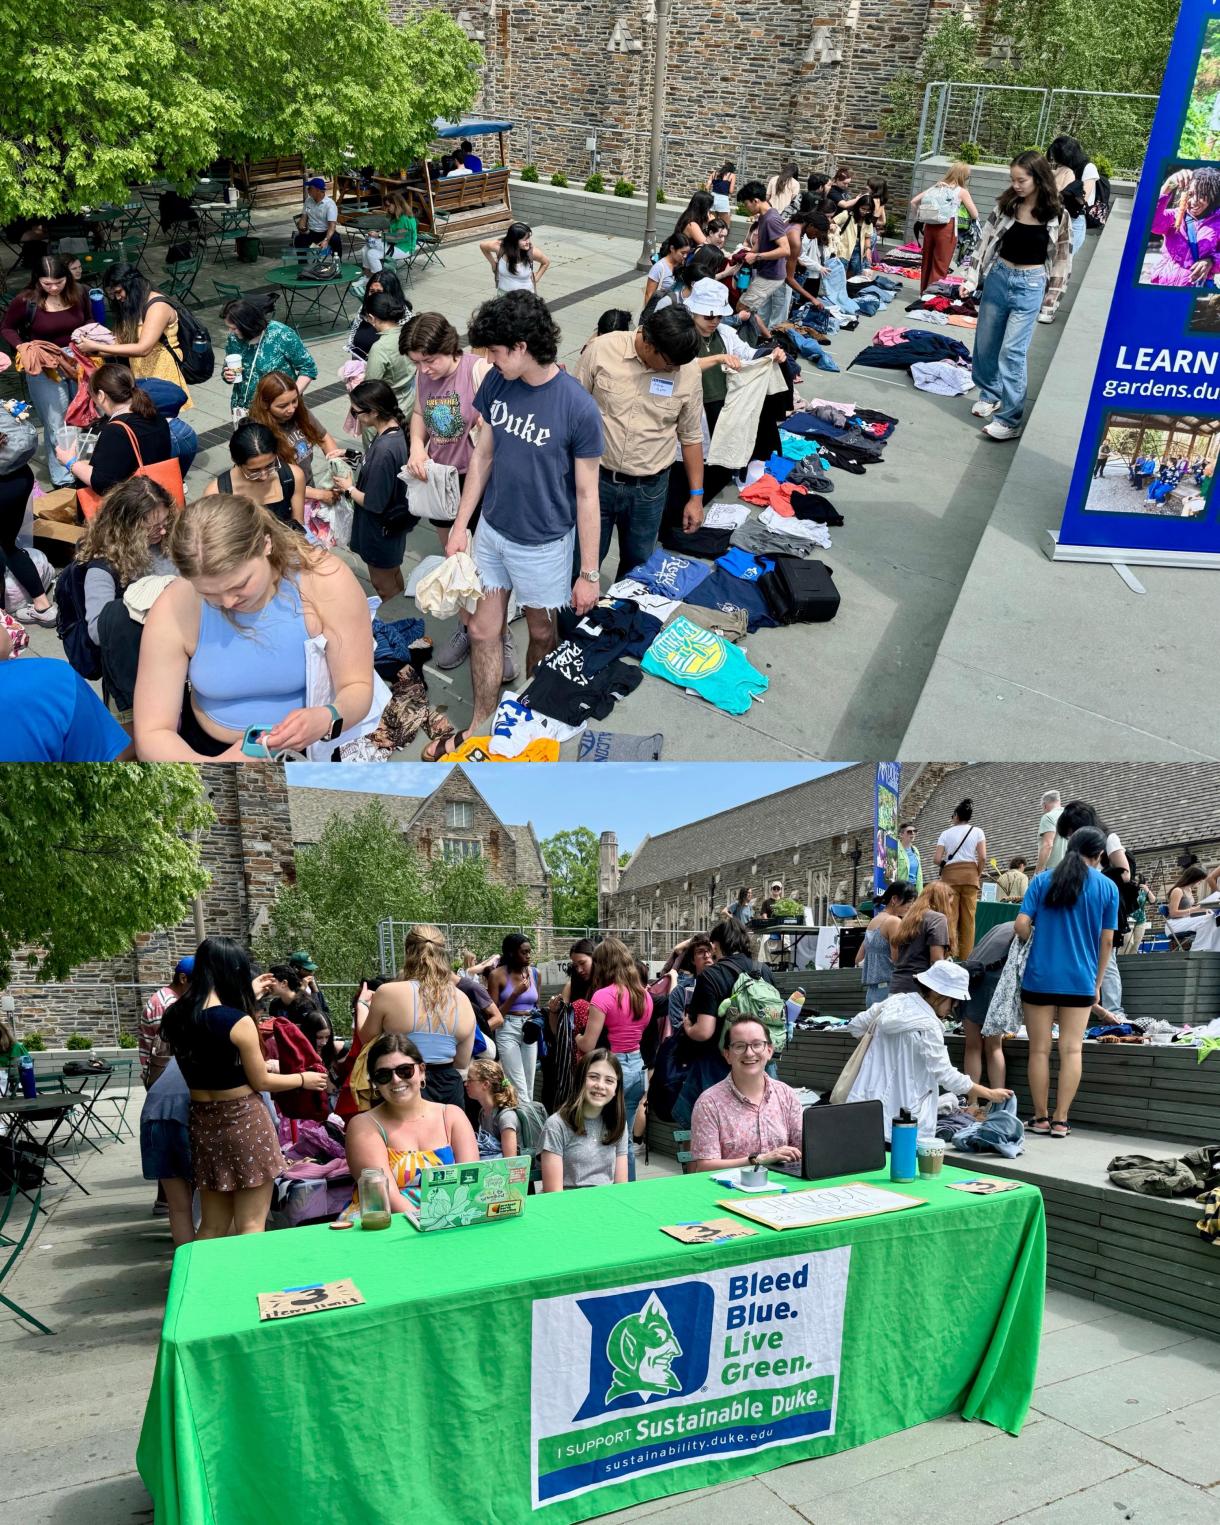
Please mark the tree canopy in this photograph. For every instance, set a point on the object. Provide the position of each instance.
(147, 88)
(95, 854)
(571, 858)
(362, 870)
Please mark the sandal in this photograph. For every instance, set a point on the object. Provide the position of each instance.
(1059, 1128)
(442, 746)
(1040, 1125)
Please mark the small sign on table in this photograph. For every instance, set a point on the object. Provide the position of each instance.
(315, 1299)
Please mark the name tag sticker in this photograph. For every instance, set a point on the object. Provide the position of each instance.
(661, 386)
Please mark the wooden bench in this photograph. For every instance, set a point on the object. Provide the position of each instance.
(277, 181)
(457, 210)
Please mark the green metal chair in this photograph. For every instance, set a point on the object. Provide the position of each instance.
(182, 277)
(15, 1247)
(116, 1097)
(232, 224)
(226, 291)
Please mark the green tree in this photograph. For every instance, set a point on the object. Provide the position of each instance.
(163, 87)
(363, 870)
(571, 858)
(94, 854)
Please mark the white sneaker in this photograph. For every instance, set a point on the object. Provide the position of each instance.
(1046, 317)
(983, 409)
(28, 615)
(455, 650)
(996, 430)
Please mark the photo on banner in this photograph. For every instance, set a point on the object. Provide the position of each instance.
(1140, 490)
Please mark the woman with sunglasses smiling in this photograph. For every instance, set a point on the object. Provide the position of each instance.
(585, 1142)
(404, 1133)
(259, 474)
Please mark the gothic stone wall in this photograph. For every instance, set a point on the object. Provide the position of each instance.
(247, 853)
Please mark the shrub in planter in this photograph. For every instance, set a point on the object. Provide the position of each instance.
(624, 188)
(127, 1040)
(1104, 165)
(787, 907)
(78, 1041)
(559, 179)
(596, 183)
(970, 153)
(530, 174)
(34, 1043)
(660, 197)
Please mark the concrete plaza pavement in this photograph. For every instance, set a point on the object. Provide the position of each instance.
(845, 689)
(1122, 1428)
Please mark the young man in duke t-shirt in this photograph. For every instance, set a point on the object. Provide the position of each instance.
(535, 469)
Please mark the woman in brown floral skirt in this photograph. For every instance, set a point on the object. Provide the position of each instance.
(212, 1033)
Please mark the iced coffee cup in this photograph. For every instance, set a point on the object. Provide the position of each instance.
(930, 1153)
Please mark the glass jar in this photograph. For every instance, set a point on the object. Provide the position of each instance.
(374, 1199)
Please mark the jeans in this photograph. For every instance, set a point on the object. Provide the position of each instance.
(633, 1094)
(1078, 232)
(51, 399)
(517, 1059)
(1112, 987)
(185, 443)
(1007, 314)
(634, 510)
(834, 286)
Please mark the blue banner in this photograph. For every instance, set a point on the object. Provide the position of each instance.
(885, 825)
(1143, 486)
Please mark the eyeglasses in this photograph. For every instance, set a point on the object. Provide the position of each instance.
(749, 1048)
(399, 1072)
(263, 474)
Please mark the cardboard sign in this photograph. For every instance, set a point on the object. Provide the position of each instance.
(318, 1299)
(827, 1204)
(711, 1231)
(983, 1188)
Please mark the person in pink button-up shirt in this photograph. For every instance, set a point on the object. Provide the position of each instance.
(747, 1119)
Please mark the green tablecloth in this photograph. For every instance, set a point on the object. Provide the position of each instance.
(991, 913)
(419, 1403)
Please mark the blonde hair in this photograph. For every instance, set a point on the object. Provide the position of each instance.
(215, 534)
(425, 960)
(936, 897)
(118, 532)
(8, 1037)
(491, 1074)
(957, 174)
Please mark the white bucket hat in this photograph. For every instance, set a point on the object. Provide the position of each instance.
(947, 978)
(708, 299)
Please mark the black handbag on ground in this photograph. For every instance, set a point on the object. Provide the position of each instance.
(800, 592)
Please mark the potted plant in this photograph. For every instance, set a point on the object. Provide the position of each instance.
(559, 179)
(596, 183)
(530, 174)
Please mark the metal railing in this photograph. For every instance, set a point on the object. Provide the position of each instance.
(1002, 120)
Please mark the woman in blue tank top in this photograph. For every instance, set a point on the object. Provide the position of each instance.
(234, 626)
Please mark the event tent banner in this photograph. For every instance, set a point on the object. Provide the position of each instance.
(664, 1374)
(1155, 396)
(885, 825)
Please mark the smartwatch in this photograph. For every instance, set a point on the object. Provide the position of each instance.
(336, 727)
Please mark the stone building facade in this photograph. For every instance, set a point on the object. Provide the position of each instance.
(804, 837)
(755, 81)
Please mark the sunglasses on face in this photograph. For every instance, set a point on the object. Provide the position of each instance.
(399, 1072)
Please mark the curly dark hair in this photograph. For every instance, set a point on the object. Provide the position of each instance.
(512, 318)
(672, 333)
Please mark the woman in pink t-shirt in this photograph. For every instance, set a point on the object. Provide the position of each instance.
(619, 1012)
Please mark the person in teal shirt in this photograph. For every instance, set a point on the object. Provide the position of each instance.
(909, 866)
(11, 1052)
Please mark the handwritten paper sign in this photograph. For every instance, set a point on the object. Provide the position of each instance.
(826, 1204)
(320, 1299)
(711, 1231)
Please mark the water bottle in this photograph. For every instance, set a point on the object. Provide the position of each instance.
(97, 305)
(792, 1009)
(25, 1070)
(904, 1133)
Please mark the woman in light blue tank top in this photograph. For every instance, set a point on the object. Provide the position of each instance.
(874, 959)
(235, 625)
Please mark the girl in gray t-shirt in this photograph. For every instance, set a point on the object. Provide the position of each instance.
(585, 1142)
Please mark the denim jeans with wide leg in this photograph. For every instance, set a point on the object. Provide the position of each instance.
(518, 1060)
(632, 508)
(185, 443)
(834, 286)
(51, 399)
(1008, 311)
(633, 1094)
(1112, 987)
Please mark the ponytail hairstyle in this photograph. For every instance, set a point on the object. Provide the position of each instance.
(1069, 878)
(386, 308)
(378, 397)
(676, 242)
(487, 1072)
(964, 811)
(116, 383)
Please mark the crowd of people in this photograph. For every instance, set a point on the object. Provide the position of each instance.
(534, 471)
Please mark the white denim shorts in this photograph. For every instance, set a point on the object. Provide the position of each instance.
(540, 575)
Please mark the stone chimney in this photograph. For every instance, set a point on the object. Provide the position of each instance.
(607, 864)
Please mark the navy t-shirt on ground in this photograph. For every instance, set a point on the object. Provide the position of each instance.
(52, 715)
(1067, 940)
(538, 433)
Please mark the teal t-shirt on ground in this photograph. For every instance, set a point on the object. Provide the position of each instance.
(691, 657)
(1067, 940)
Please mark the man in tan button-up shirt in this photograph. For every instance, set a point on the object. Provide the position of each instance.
(648, 388)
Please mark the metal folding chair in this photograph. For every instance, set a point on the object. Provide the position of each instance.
(116, 1095)
(182, 277)
(231, 225)
(16, 1247)
(1179, 942)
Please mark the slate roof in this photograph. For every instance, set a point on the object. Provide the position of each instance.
(1152, 806)
(824, 807)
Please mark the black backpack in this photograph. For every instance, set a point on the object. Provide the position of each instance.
(70, 624)
(196, 360)
(1095, 216)
(799, 591)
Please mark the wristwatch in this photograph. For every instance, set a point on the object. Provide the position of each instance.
(336, 726)
(594, 577)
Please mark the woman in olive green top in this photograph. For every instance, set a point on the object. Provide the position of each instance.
(387, 362)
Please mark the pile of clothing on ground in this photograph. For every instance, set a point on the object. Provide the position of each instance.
(944, 303)
(937, 363)
(1195, 1174)
(993, 1129)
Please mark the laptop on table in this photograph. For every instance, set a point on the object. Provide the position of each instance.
(459, 1196)
(843, 1140)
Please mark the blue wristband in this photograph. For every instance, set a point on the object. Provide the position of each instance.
(696, 492)
(68, 465)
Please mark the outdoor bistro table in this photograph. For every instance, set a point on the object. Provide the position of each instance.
(24, 1110)
(590, 1361)
(290, 278)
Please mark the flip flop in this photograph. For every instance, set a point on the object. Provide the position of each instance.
(1059, 1129)
(443, 746)
(1039, 1125)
